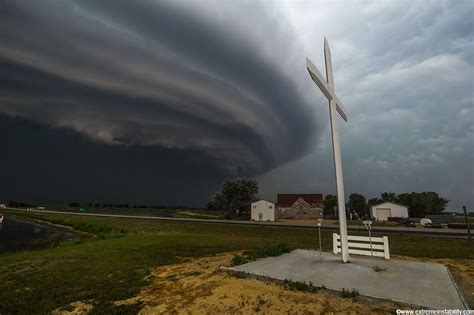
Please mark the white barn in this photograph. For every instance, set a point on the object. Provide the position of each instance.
(263, 211)
(382, 211)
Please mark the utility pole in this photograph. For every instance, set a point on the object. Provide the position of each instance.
(467, 223)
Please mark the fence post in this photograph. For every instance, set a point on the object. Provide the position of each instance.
(334, 243)
(385, 248)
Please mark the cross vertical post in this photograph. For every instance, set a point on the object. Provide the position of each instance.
(327, 87)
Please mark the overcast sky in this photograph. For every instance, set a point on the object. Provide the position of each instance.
(156, 102)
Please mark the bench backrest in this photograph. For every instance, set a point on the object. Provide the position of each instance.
(360, 245)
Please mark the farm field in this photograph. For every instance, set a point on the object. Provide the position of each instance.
(129, 260)
(150, 211)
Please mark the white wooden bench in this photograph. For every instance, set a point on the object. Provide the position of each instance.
(360, 245)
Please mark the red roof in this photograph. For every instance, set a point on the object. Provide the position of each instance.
(289, 199)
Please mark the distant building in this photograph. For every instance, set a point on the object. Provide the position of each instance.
(300, 206)
(385, 210)
(263, 211)
(2, 206)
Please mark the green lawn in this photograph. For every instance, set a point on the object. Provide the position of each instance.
(115, 265)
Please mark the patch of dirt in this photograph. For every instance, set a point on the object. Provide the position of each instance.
(198, 287)
(74, 308)
(462, 271)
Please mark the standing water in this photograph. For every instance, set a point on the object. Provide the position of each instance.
(19, 234)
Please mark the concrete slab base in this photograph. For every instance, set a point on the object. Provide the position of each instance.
(425, 284)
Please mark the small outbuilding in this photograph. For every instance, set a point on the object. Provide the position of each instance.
(385, 210)
(263, 211)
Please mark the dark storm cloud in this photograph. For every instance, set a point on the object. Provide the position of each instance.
(155, 74)
(225, 82)
(55, 165)
(115, 103)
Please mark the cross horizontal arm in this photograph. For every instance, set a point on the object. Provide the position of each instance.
(325, 88)
(319, 79)
(341, 109)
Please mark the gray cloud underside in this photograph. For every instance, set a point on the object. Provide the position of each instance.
(404, 70)
(156, 73)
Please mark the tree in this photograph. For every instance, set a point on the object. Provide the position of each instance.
(20, 204)
(374, 201)
(422, 204)
(330, 201)
(74, 204)
(389, 196)
(235, 197)
(358, 203)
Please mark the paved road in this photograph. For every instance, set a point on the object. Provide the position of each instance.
(386, 229)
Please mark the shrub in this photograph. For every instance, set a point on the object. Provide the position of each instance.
(239, 260)
(260, 252)
(267, 251)
(300, 286)
(349, 294)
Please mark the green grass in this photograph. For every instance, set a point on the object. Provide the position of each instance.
(161, 212)
(115, 265)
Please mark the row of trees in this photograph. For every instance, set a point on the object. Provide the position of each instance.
(236, 195)
(20, 204)
(105, 205)
(419, 204)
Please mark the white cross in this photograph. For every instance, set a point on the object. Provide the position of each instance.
(327, 87)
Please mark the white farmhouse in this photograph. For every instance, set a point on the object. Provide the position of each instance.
(263, 211)
(382, 211)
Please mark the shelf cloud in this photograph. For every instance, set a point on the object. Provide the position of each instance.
(156, 73)
(211, 89)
